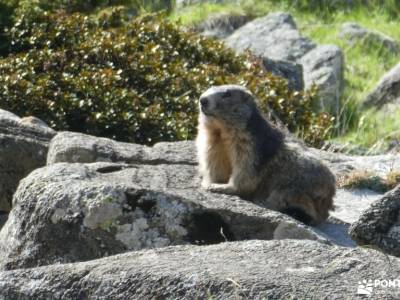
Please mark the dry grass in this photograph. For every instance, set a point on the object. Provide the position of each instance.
(392, 179)
(364, 179)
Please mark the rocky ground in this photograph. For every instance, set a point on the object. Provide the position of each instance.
(90, 217)
(285, 269)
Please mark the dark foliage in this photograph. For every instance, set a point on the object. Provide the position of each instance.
(135, 81)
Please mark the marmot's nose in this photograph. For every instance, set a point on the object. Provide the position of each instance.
(204, 102)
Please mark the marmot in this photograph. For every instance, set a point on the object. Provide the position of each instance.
(242, 153)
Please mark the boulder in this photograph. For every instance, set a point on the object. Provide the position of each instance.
(23, 148)
(379, 225)
(77, 212)
(99, 197)
(353, 32)
(72, 147)
(324, 67)
(276, 37)
(286, 269)
(387, 90)
(75, 147)
(221, 26)
(82, 148)
(290, 71)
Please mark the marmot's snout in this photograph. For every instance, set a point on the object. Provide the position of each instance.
(204, 104)
(210, 104)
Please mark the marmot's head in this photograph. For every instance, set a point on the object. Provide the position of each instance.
(232, 105)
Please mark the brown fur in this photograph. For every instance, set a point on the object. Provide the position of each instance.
(241, 153)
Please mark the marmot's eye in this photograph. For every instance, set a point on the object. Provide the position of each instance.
(227, 94)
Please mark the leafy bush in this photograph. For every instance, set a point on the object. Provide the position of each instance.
(32, 10)
(7, 8)
(135, 81)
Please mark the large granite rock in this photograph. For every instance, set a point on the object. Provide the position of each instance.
(274, 36)
(379, 225)
(81, 148)
(292, 72)
(324, 67)
(286, 269)
(77, 212)
(353, 32)
(349, 204)
(71, 147)
(386, 91)
(23, 148)
(75, 147)
(277, 37)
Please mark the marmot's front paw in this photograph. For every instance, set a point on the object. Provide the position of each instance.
(221, 189)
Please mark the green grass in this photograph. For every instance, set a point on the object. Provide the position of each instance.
(365, 64)
(375, 130)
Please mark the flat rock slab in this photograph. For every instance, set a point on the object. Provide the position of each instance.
(379, 225)
(286, 269)
(77, 212)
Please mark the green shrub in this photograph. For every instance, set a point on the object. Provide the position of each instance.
(7, 8)
(17, 11)
(135, 81)
(14, 11)
(32, 8)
